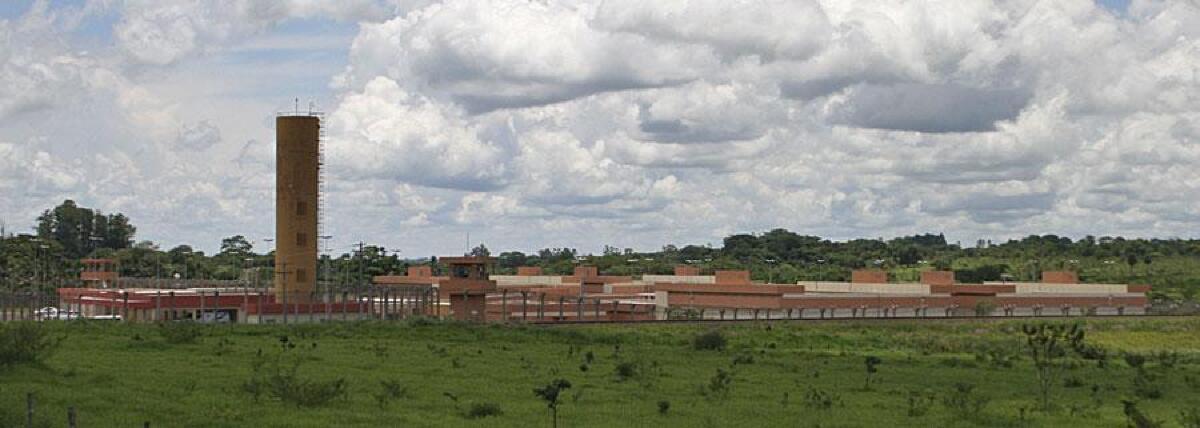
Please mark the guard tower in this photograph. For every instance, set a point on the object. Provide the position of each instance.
(297, 189)
(467, 286)
(99, 273)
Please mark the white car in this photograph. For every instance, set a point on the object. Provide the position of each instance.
(53, 313)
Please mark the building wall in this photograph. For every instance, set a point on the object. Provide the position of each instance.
(869, 276)
(529, 271)
(297, 184)
(684, 270)
(1060, 277)
(733, 277)
(937, 277)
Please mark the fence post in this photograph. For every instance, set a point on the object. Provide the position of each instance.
(71, 417)
(524, 305)
(125, 306)
(542, 308)
(560, 308)
(29, 403)
(504, 305)
(345, 295)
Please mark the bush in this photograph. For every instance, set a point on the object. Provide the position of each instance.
(663, 407)
(963, 402)
(24, 343)
(281, 381)
(483, 410)
(180, 332)
(820, 399)
(626, 370)
(1190, 417)
(919, 403)
(712, 340)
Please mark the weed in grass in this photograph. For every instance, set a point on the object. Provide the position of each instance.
(389, 390)
(281, 380)
(1072, 382)
(718, 386)
(919, 402)
(1190, 417)
(626, 370)
(1146, 385)
(819, 399)
(483, 410)
(589, 357)
(743, 358)
(664, 406)
(964, 402)
(713, 340)
(1134, 417)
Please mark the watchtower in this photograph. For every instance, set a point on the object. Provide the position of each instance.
(467, 286)
(99, 273)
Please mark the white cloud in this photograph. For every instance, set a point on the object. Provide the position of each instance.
(579, 122)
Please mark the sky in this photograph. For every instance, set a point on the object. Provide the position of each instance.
(531, 124)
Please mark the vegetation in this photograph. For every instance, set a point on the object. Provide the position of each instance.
(1172, 266)
(328, 375)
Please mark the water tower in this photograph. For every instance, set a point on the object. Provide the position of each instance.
(297, 204)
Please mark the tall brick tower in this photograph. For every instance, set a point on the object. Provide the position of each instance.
(297, 189)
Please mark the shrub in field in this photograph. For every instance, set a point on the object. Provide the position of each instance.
(549, 394)
(25, 343)
(871, 362)
(1135, 418)
(663, 407)
(389, 390)
(180, 332)
(712, 340)
(274, 378)
(1145, 385)
(1048, 346)
(1167, 359)
(743, 358)
(820, 399)
(483, 410)
(719, 385)
(919, 403)
(626, 370)
(964, 402)
(1190, 417)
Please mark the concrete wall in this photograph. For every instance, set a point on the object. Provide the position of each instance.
(847, 287)
(674, 279)
(1042, 288)
(521, 280)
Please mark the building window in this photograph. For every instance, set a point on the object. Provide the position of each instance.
(301, 275)
(301, 208)
(301, 238)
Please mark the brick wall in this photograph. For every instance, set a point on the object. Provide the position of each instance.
(683, 270)
(1060, 277)
(733, 277)
(869, 277)
(529, 271)
(420, 271)
(937, 277)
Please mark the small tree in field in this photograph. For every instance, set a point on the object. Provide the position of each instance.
(1048, 346)
(549, 393)
(871, 363)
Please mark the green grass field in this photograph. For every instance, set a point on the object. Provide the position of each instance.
(779, 374)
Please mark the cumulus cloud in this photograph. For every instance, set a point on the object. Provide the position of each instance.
(633, 123)
(387, 132)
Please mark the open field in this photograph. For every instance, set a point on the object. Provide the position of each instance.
(424, 373)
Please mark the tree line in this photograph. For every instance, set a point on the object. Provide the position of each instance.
(69, 232)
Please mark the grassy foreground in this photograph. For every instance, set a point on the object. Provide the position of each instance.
(419, 374)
